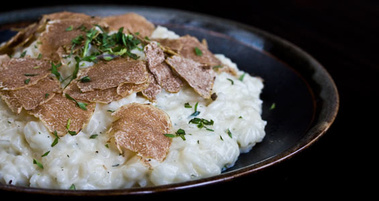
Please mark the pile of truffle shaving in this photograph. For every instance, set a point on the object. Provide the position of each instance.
(31, 83)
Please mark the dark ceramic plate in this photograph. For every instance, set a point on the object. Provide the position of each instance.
(305, 96)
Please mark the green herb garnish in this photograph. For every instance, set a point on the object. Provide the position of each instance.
(93, 136)
(77, 41)
(202, 123)
(23, 54)
(72, 187)
(196, 112)
(70, 28)
(273, 106)
(242, 76)
(72, 133)
(55, 142)
(81, 105)
(31, 74)
(187, 105)
(27, 81)
(85, 79)
(231, 81)
(91, 34)
(179, 133)
(37, 163)
(229, 133)
(54, 70)
(198, 52)
(45, 154)
(68, 128)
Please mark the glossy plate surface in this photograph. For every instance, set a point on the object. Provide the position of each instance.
(305, 96)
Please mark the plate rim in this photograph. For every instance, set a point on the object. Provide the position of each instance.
(328, 111)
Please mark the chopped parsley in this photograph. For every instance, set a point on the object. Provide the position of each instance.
(31, 74)
(93, 136)
(91, 34)
(72, 187)
(77, 41)
(70, 28)
(108, 46)
(231, 81)
(54, 70)
(273, 106)
(37, 163)
(202, 123)
(85, 79)
(217, 67)
(179, 133)
(76, 69)
(68, 124)
(72, 133)
(229, 133)
(242, 76)
(23, 54)
(55, 142)
(81, 105)
(45, 154)
(187, 105)
(196, 112)
(198, 52)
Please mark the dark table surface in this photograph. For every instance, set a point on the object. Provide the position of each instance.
(342, 36)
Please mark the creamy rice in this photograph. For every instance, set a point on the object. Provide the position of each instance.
(90, 160)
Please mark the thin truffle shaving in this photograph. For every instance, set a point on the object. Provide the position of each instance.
(163, 74)
(58, 111)
(22, 38)
(141, 128)
(193, 49)
(152, 90)
(32, 96)
(131, 22)
(100, 96)
(198, 76)
(60, 34)
(18, 73)
(105, 75)
(65, 15)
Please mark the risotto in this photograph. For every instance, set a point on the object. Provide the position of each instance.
(182, 114)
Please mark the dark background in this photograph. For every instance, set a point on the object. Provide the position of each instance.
(343, 37)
